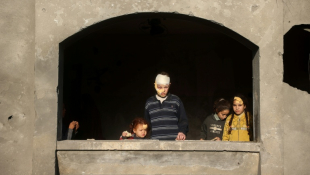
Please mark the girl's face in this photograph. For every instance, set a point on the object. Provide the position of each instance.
(238, 107)
(223, 114)
(140, 131)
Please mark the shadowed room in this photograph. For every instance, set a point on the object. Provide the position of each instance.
(108, 73)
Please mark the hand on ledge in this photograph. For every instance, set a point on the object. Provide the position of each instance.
(181, 136)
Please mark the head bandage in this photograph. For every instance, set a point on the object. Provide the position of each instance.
(238, 99)
(163, 80)
(144, 126)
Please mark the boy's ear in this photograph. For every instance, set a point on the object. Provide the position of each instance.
(134, 130)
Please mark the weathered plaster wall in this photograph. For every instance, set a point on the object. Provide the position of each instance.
(294, 103)
(17, 86)
(259, 21)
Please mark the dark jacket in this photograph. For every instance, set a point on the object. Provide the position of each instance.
(212, 128)
(167, 119)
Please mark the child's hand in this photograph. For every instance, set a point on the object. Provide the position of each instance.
(181, 136)
(126, 134)
(72, 125)
(216, 139)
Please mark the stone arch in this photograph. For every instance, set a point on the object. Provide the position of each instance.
(211, 24)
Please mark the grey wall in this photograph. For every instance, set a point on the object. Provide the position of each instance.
(294, 103)
(17, 58)
(283, 115)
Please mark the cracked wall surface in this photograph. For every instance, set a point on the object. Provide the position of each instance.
(32, 30)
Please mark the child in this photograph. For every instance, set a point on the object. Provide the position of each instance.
(238, 124)
(138, 129)
(212, 127)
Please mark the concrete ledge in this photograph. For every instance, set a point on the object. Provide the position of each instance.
(188, 145)
(157, 162)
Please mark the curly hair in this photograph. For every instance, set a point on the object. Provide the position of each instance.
(136, 122)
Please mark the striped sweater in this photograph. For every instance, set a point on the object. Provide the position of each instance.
(167, 119)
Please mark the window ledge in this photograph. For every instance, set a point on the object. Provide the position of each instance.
(156, 145)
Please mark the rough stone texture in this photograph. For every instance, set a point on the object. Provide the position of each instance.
(17, 86)
(156, 162)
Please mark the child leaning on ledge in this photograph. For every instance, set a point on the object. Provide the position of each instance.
(138, 129)
(212, 126)
(238, 126)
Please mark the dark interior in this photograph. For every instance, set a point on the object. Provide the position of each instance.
(107, 71)
(296, 57)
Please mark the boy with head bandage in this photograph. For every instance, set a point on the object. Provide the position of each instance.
(162, 84)
(165, 112)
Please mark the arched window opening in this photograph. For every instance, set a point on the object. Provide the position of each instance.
(107, 71)
(296, 57)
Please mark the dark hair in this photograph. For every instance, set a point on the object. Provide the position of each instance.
(245, 102)
(220, 105)
(164, 73)
(136, 122)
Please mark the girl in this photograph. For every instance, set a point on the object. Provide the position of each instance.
(138, 129)
(212, 127)
(238, 124)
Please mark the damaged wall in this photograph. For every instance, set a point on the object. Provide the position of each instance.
(264, 23)
(263, 26)
(17, 57)
(294, 102)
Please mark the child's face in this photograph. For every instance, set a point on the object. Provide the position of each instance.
(223, 114)
(238, 107)
(162, 90)
(140, 131)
